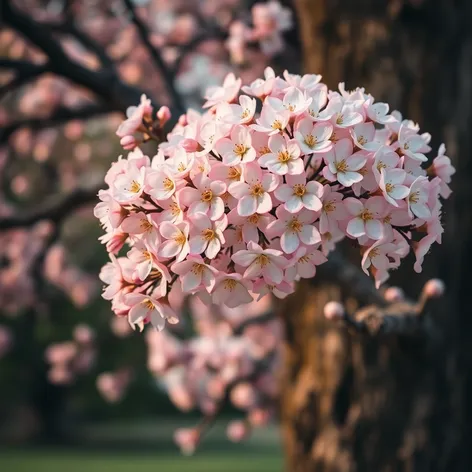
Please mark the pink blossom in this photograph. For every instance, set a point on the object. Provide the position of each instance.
(271, 121)
(195, 273)
(294, 102)
(443, 168)
(363, 135)
(267, 263)
(341, 115)
(376, 257)
(242, 113)
(238, 149)
(176, 244)
(303, 263)
(146, 309)
(391, 185)
(254, 193)
(418, 198)
(298, 194)
(378, 112)
(135, 117)
(313, 137)
(130, 186)
(294, 229)
(319, 97)
(261, 87)
(366, 219)
(343, 165)
(205, 198)
(161, 185)
(411, 144)
(231, 290)
(226, 93)
(250, 225)
(332, 211)
(284, 157)
(208, 235)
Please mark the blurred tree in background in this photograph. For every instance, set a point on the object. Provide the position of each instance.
(386, 392)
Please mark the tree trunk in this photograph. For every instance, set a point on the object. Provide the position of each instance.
(372, 403)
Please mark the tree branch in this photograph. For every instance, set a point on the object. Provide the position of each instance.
(55, 209)
(104, 83)
(60, 116)
(156, 56)
(381, 316)
(351, 277)
(69, 28)
(24, 72)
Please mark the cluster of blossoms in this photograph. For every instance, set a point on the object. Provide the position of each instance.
(238, 203)
(69, 359)
(234, 356)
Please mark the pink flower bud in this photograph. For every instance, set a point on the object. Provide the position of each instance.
(128, 142)
(164, 115)
(334, 311)
(434, 288)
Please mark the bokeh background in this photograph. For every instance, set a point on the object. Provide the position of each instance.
(78, 388)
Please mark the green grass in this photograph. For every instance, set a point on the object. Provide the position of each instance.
(92, 461)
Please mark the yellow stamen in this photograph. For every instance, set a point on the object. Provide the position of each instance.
(299, 190)
(168, 184)
(240, 150)
(180, 238)
(341, 166)
(262, 260)
(234, 173)
(257, 190)
(283, 156)
(135, 187)
(295, 225)
(310, 141)
(145, 225)
(207, 195)
(230, 284)
(208, 234)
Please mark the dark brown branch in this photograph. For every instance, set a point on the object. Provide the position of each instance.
(55, 210)
(69, 28)
(24, 73)
(60, 116)
(263, 318)
(168, 77)
(104, 83)
(351, 278)
(380, 316)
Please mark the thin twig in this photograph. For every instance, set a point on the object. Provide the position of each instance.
(144, 34)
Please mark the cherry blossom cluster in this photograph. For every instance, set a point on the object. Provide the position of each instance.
(239, 203)
(71, 358)
(233, 357)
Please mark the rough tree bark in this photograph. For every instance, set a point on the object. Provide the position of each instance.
(397, 402)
